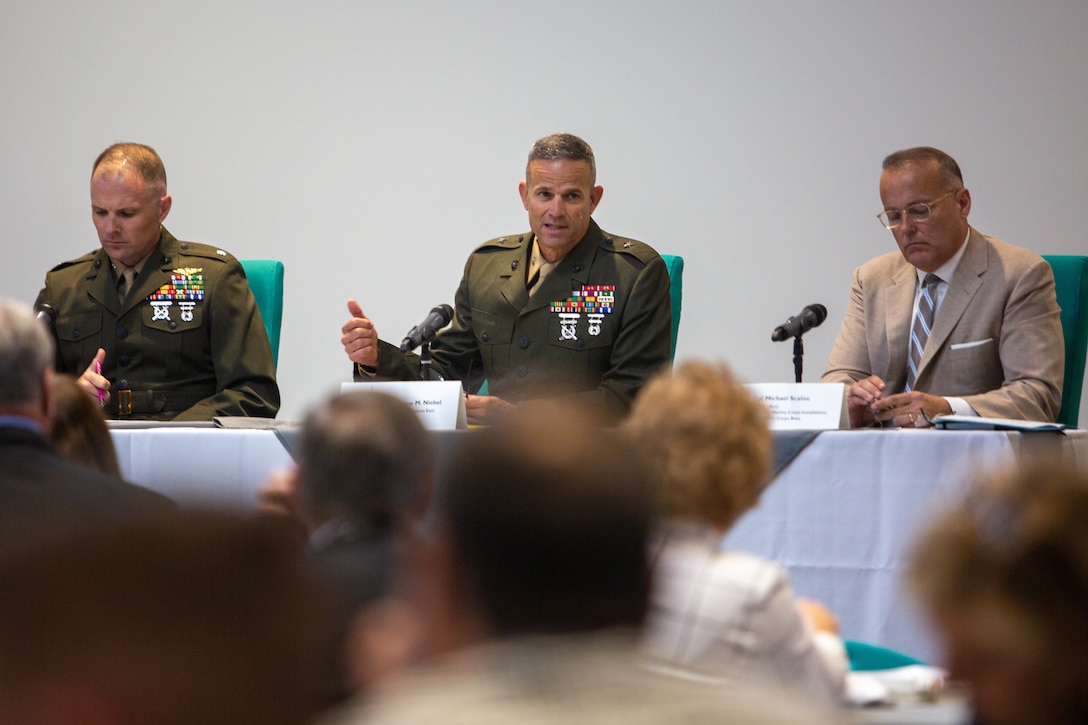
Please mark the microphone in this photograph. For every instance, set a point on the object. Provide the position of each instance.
(47, 313)
(809, 317)
(435, 320)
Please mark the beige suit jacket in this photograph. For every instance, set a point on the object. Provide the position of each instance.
(996, 341)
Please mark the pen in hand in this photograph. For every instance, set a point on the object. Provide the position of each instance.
(101, 392)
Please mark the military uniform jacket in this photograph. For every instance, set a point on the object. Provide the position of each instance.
(596, 329)
(188, 341)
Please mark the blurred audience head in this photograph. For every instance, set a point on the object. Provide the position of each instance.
(542, 524)
(26, 363)
(79, 429)
(365, 458)
(1004, 576)
(710, 438)
(195, 618)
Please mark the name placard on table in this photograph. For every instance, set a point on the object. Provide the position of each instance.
(803, 406)
(439, 403)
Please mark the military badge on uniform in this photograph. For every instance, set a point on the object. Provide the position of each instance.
(594, 301)
(186, 288)
(162, 310)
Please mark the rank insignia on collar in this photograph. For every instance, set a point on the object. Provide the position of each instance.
(186, 283)
(594, 301)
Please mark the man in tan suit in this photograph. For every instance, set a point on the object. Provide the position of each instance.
(956, 321)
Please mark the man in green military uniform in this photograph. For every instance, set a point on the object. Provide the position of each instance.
(564, 310)
(157, 328)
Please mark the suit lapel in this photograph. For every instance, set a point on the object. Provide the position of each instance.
(103, 287)
(512, 284)
(899, 302)
(966, 282)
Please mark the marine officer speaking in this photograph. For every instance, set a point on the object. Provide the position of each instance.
(157, 328)
(563, 310)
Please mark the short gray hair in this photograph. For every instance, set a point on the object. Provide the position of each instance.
(562, 146)
(950, 170)
(26, 352)
(143, 159)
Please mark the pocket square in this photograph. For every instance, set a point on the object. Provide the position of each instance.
(976, 343)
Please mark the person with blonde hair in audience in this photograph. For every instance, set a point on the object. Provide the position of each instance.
(79, 429)
(1004, 577)
(719, 615)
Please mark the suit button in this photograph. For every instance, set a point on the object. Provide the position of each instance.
(485, 337)
(578, 268)
(523, 342)
(123, 360)
(122, 332)
(522, 371)
(580, 343)
(173, 325)
(75, 334)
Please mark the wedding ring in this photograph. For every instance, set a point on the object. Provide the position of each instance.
(913, 417)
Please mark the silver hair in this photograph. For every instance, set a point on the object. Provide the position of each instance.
(26, 352)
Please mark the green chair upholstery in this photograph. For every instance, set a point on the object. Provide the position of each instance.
(865, 656)
(1071, 285)
(266, 281)
(675, 265)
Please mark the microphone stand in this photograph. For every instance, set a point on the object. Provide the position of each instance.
(425, 361)
(798, 357)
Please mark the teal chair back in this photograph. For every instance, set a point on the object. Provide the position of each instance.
(1071, 285)
(266, 281)
(675, 265)
(864, 656)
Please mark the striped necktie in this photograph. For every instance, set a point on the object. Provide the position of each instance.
(923, 323)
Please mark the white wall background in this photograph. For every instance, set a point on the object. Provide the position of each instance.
(371, 146)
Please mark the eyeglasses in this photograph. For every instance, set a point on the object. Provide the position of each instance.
(891, 218)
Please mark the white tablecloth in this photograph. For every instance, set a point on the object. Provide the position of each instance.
(844, 514)
(223, 468)
(841, 517)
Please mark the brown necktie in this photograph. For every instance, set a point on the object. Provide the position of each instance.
(125, 280)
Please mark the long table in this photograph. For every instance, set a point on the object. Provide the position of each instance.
(201, 465)
(841, 517)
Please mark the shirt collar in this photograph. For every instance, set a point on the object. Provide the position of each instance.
(20, 421)
(946, 270)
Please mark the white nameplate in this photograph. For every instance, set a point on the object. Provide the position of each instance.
(439, 403)
(803, 406)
